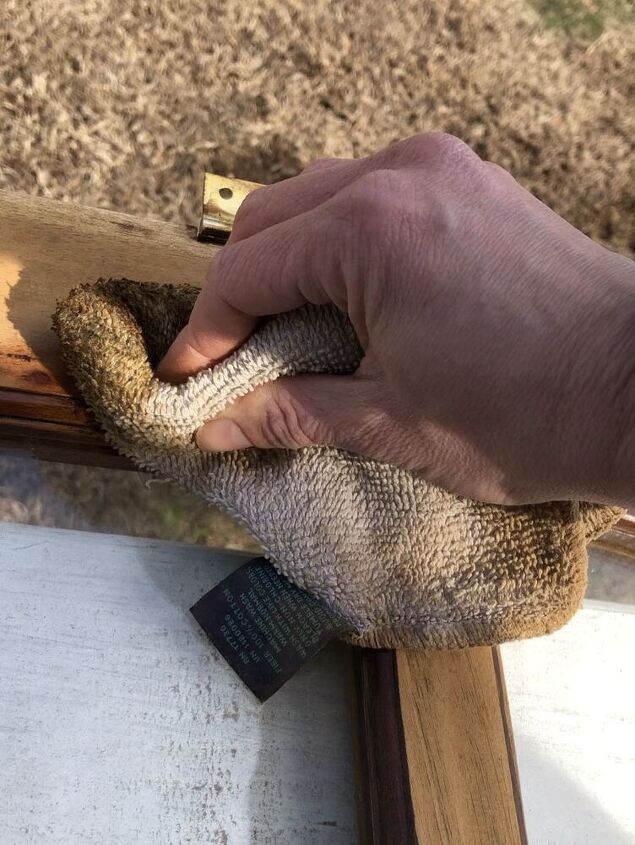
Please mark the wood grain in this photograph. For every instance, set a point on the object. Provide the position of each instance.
(437, 761)
(385, 810)
(46, 248)
(463, 773)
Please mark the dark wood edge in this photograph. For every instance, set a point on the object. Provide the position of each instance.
(384, 801)
(54, 428)
(509, 741)
(627, 524)
(66, 443)
(44, 407)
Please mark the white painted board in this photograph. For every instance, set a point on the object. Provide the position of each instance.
(572, 702)
(120, 723)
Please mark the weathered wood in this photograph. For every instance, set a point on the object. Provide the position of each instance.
(46, 248)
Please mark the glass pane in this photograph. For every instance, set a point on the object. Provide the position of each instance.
(611, 576)
(111, 501)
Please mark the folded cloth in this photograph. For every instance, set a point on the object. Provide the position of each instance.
(405, 563)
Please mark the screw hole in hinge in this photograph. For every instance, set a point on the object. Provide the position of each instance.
(226, 193)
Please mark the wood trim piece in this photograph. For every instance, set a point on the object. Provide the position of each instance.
(385, 811)
(620, 540)
(52, 441)
(436, 749)
(512, 760)
(46, 248)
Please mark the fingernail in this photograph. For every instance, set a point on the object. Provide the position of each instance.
(221, 436)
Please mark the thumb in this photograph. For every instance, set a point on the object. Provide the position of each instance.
(299, 411)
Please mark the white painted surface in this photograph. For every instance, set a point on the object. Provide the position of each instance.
(120, 724)
(572, 700)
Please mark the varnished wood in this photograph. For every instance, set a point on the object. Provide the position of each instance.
(437, 760)
(385, 811)
(46, 248)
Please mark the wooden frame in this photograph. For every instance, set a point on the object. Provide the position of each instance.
(46, 248)
(435, 751)
(436, 759)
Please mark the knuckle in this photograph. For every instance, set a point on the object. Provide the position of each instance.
(251, 212)
(499, 181)
(444, 151)
(444, 142)
(496, 171)
(429, 146)
(284, 423)
(320, 164)
(449, 151)
(367, 202)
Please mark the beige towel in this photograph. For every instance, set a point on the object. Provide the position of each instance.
(404, 562)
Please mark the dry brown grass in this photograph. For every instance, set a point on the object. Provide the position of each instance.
(122, 103)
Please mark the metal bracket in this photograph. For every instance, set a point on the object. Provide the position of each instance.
(222, 197)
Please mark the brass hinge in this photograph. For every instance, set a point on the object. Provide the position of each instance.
(222, 197)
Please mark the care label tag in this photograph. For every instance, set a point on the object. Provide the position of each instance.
(265, 627)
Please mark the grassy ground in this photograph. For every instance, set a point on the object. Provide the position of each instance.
(123, 103)
(585, 20)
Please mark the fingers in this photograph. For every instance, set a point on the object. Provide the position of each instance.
(280, 415)
(216, 326)
(272, 204)
(281, 255)
(300, 411)
(322, 179)
(275, 270)
(194, 351)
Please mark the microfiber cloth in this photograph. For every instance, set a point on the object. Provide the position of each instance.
(405, 563)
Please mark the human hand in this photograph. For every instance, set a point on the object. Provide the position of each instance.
(498, 339)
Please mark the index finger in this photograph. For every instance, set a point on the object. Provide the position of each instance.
(217, 328)
(193, 351)
(274, 270)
